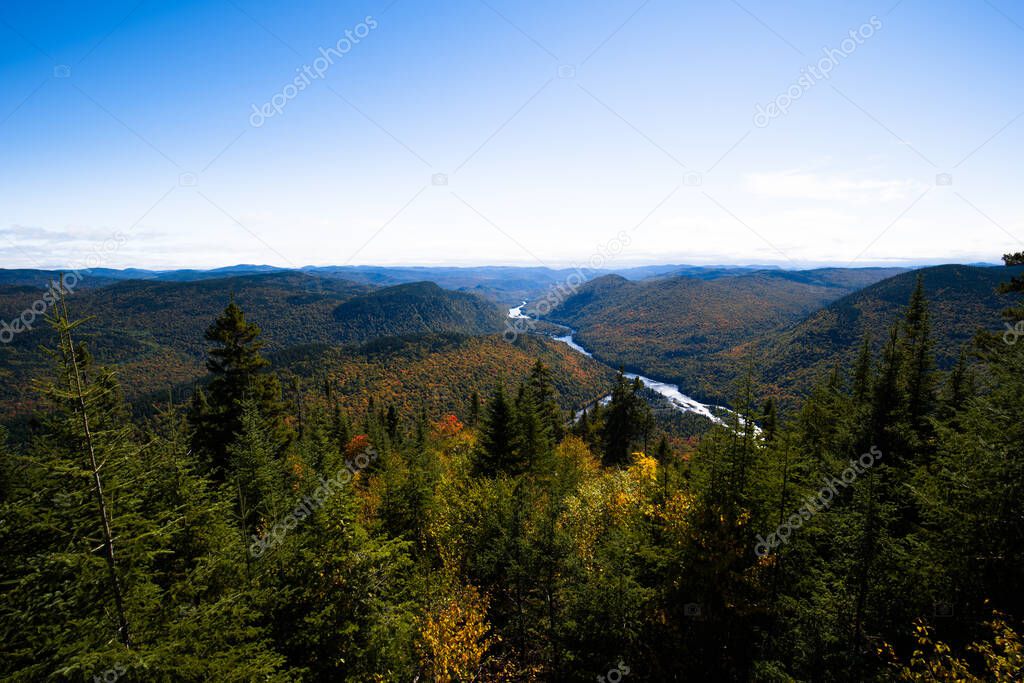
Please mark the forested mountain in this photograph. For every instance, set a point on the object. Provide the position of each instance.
(853, 277)
(671, 328)
(416, 308)
(963, 300)
(788, 327)
(148, 329)
(441, 373)
(506, 284)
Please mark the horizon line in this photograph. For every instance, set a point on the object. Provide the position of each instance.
(810, 265)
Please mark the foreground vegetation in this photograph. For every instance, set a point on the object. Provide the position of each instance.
(245, 536)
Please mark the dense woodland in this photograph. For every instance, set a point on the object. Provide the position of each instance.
(702, 332)
(267, 530)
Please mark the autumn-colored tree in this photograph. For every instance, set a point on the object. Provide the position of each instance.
(454, 636)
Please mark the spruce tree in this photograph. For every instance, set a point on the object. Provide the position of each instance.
(543, 394)
(862, 376)
(239, 373)
(498, 452)
(626, 419)
(769, 420)
(341, 428)
(919, 383)
(474, 410)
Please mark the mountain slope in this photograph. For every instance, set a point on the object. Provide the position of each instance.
(415, 308)
(441, 372)
(669, 328)
(153, 331)
(961, 300)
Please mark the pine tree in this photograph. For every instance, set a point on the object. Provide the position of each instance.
(255, 474)
(391, 422)
(769, 420)
(958, 389)
(542, 391)
(341, 429)
(1016, 283)
(862, 376)
(474, 410)
(534, 439)
(663, 455)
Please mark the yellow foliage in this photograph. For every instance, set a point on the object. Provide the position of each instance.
(933, 660)
(643, 467)
(676, 511)
(575, 451)
(609, 498)
(454, 637)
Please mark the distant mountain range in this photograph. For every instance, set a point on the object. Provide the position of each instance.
(506, 284)
(152, 330)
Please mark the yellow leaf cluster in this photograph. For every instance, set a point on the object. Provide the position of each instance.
(454, 637)
(933, 660)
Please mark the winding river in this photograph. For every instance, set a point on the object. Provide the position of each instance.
(676, 398)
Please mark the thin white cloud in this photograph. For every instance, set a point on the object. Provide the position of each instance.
(795, 184)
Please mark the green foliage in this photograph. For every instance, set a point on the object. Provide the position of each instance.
(867, 534)
(499, 440)
(627, 421)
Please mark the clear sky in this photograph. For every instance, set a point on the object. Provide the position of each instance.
(201, 134)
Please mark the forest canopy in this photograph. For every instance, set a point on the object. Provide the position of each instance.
(271, 528)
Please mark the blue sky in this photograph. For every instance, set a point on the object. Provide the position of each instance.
(490, 131)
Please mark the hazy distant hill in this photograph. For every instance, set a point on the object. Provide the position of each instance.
(506, 284)
(39, 279)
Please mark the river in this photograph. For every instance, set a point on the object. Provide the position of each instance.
(676, 398)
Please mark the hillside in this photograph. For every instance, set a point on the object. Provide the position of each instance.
(415, 308)
(506, 284)
(441, 372)
(961, 299)
(152, 331)
(670, 328)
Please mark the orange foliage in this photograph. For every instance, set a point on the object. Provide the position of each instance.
(358, 444)
(448, 425)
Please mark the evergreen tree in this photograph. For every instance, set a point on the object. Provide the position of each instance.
(239, 373)
(1016, 283)
(958, 389)
(391, 422)
(534, 438)
(498, 452)
(627, 419)
(474, 410)
(341, 429)
(109, 542)
(919, 383)
(769, 420)
(543, 394)
(862, 372)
